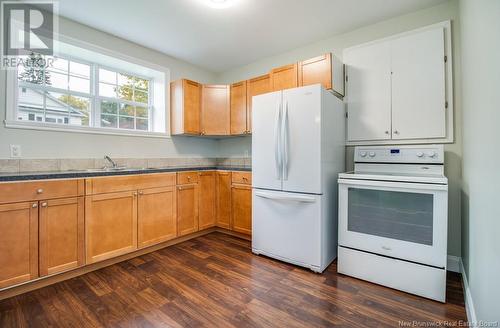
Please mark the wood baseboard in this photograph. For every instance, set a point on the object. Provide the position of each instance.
(49, 280)
(233, 233)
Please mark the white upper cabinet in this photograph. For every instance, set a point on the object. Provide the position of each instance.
(399, 89)
(418, 86)
(369, 92)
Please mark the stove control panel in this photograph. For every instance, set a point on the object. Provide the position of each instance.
(428, 154)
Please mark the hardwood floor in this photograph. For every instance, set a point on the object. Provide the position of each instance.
(216, 281)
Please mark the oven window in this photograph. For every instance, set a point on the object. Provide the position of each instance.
(396, 215)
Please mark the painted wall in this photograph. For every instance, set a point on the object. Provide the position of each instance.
(480, 24)
(45, 144)
(446, 11)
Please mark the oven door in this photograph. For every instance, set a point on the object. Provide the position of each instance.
(398, 219)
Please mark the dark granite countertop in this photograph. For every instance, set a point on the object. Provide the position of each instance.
(23, 176)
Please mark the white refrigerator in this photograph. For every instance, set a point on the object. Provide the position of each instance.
(298, 149)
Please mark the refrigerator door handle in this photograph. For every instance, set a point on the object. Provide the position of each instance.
(277, 141)
(292, 198)
(285, 142)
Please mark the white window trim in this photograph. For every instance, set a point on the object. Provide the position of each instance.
(12, 96)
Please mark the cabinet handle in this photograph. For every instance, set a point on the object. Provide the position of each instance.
(134, 193)
(189, 178)
(39, 191)
(44, 204)
(141, 193)
(34, 205)
(386, 132)
(396, 132)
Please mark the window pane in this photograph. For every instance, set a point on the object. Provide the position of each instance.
(125, 93)
(141, 111)
(125, 79)
(142, 124)
(108, 121)
(107, 90)
(107, 76)
(59, 65)
(141, 84)
(108, 107)
(126, 122)
(80, 70)
(79, 84)
(30, 104)
(141, 96)
(127, 110)
(79, 108)
(57, 80)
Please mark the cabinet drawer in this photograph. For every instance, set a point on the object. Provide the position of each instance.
(241, 177)
(34, 190)
(128, 182)
(187, 177)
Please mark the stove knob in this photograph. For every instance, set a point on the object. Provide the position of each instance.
(372, 154)
(420, 154)
(362, 154)
(431, 154)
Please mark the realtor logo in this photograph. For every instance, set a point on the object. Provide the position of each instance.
(27, 27)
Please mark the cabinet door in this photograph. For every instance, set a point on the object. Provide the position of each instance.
(187, 209)
(418, 86)
(110, 225)
(255, 87)
(61, 235)
(192, 106)
(18, 243)
(215, 110)
(206, 200)
(316, 70)
(239, 108)
(284, 77)
(223, 199)
(156, 216)
(369, 92)
(241, 208)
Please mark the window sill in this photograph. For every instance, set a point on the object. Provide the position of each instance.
(76, 129)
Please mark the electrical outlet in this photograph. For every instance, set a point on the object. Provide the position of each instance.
(15, 151)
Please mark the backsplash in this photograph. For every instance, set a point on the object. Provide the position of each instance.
(42, 165)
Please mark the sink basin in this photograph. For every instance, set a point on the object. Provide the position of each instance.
(108, 169)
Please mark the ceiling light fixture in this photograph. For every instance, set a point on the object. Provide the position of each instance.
(219, 4)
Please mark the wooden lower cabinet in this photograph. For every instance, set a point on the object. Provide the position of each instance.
(156, 216)
(223, 199)
(61, 234)
(206, 207)
(187, 209)
(111, 225)
(18, 243)
(241, 208)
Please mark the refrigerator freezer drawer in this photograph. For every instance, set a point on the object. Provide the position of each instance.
(287, 226)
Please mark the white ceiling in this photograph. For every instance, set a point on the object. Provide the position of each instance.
(221, 39)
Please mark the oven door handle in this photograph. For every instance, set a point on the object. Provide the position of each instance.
(393, 184)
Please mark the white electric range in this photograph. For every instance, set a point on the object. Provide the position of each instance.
(393, 217)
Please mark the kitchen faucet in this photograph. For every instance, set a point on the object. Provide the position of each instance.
(106, 157)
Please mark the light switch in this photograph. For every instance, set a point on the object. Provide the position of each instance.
(15, 151)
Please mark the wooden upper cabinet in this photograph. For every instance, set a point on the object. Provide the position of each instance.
(156, 216)
(61, 235)
(325, 69)
(187, 209)
(19, 243)
(241, 208)
(215, 111)
(206, 216)
(284, 77)
(185, 107)
(110, 225)
(223, 199)
(255, 87)
(239, 110)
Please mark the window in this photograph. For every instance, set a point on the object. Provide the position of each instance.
(80, 89)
